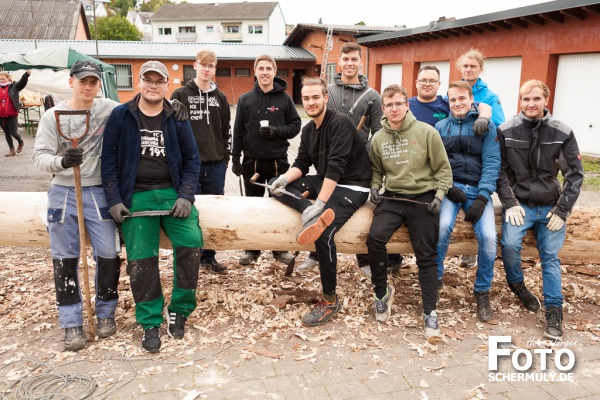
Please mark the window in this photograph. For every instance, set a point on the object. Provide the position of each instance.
(210, 29)
(223, 72)
(242, 72)
(123, 76)
(255, 29)
(282, 73)
(330, 73)
(187, 29)
(164, 31)
(233, 28)
(188, 73)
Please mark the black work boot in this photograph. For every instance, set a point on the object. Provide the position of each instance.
(74, 338)
(484, 310)
(529, 300)
(554, 318)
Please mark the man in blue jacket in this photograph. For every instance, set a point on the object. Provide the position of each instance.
(475, 162)
(150, 163)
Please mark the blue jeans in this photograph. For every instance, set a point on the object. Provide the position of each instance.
(549, 244)
(211, 181)
(485, 231)
(64, 240)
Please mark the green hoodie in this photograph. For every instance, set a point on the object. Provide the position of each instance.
(412, 159)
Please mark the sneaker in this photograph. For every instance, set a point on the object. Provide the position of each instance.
(322, 313)
(383, 307)
(285, 257)
(468, 261)
(248, 258)
(484, 310)
(554, 318)
(214, 266)
(151, 340)
(432, 329)
(529, 300)
(366, 271)
(74, 339)
(313, 229)
(175, 322)
(308, 263)
(106, 327)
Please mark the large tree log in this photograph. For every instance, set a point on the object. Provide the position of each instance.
(236, 223)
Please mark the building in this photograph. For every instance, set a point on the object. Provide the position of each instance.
(101, 10)
(48, 19)
(141, 20)
(557, 42)
(251, 23)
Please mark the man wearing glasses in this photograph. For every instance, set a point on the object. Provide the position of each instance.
(409, 160)
(150, 164)
(210, 119)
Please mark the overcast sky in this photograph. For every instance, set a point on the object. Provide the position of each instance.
(385, 12)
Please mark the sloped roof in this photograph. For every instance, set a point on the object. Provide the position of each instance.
(48, 19)
(161, 50)
(215, 11)
(300, 31)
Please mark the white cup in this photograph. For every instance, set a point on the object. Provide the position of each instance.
(264, 122)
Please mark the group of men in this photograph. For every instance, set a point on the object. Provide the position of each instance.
(154, 162)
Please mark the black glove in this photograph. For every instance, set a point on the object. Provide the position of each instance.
(181, 112)
(476, 210)
(456, 195)
(481, 125)
(375, 196)
(236, 168)
(118, 212)
(269, 132)
(182, 208)
(434, 206)
(73, 157)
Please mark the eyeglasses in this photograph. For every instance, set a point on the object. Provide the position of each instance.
(150, 83)
(397, 104)
(207, 66)
(432, 82)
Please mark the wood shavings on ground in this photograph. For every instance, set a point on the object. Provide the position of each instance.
(263, 352)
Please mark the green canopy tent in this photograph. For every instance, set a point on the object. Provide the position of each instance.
(59, 57)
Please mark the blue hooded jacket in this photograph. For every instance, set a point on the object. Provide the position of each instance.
(482, 94)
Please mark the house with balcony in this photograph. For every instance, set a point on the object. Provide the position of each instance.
(248, 23)
(141, 20)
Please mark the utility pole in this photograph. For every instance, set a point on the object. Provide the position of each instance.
(95, 26)
(32, 25)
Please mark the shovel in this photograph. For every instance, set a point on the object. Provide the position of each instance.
(69, 135)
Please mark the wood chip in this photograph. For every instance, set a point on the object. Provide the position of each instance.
(263, 352)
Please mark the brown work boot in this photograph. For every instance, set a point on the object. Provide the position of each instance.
(11, 153)
(315, 227)
(20, 147)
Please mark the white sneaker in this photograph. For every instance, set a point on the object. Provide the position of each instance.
(432, 328)
(308, 263)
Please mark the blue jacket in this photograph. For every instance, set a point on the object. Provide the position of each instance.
(121, 150)
(482, 94)
(475, 159)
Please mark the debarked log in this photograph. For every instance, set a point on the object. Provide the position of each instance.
(237, 223)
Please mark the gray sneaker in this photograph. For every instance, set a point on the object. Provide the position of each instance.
(74, 339)
(322, 313)
(106, 327)
(383, 307)
(308, 263)
(285, 257)
(248, 258)
(315, 227)
(468, 261)
(432, 328)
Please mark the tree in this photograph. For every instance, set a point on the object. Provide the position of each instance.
(123, 6)
(153, 5)
(360, 23)
(116, 28)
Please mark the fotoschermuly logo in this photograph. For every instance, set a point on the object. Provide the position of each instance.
(522, 360)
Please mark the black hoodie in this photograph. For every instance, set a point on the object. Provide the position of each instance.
(210, 118)
(277, 107)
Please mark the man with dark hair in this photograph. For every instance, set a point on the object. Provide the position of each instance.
(210, 119)
(332, 145)
(264, 147)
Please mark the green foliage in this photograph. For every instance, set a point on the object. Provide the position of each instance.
(360, 23)
(122, 6)
(116, 28)
(591, 173)
(153, 5)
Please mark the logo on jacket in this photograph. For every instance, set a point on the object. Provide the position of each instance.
(272, 109)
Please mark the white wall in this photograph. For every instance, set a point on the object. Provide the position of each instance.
(390, 73)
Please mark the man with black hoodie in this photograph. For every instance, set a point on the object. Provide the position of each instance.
(264, 147)
(210, 119)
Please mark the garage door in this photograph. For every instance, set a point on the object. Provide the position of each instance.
(577, 98)
(503, 77)
(390, 73)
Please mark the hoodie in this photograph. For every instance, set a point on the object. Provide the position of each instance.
(412, 159)
(277, 107)
(210, 119)
(482, 94)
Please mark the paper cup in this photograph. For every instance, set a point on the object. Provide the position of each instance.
(264, 123)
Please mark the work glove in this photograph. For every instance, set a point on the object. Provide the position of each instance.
(475, 212)
(434, 206)
(182, 208)
(456, 195)
(515, 215)
(269, 132)
(118, 212)
(72, 158)
(312, 211)
(555, 222)
(375, 196)
(481, 125)
(181, 112)
(236, 168)
(278, 185)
